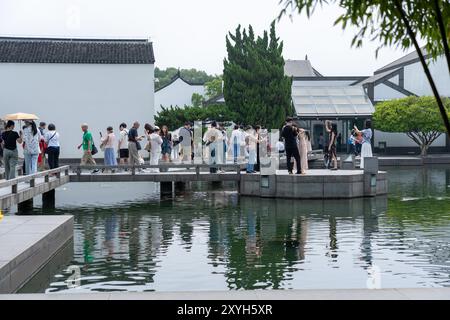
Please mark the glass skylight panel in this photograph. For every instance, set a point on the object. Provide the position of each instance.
(321, 100)
(340, 99)
(326, 109)
(354, 91)
(317, 91)
(303, 109)
(357, 99)
(296, 91)
(364, 109)
(303, 100)
(336, 91)
(346, 109)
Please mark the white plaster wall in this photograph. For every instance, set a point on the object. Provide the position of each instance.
(395, 80)
(416, 81)
(382, 92)
(70, 94)
(178, 93)
(402, 140)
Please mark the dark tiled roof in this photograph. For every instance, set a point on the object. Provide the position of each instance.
(178, 76)
(52, 50)
(404, 61)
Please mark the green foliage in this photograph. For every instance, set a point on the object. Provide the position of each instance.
(255, 86)
(197, 100)
(214, 87)
(381, 20)
(190, 75)
(418, 117)
(175, 118)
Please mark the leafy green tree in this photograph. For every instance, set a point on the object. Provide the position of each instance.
(214, 87)
(255, 86)
(175, 117)
(418, 117)
(398, 23)
(197, 99)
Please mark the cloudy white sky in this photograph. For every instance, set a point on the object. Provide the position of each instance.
(191, 33)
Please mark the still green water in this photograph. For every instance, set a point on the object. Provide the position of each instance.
(127, 238)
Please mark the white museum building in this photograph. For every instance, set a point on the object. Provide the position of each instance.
(401, 78)
(178, 92)
(352, 99)
(102, 82)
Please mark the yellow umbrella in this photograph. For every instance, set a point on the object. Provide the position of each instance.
(21, 116)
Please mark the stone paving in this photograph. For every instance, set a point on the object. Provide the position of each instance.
(27, 243)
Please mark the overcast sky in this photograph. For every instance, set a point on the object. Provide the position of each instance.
(191, 33)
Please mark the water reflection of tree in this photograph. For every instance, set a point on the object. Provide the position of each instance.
(263, 244)
(266, 240)
(258, 243)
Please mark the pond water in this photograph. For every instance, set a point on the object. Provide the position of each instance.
(127, 238)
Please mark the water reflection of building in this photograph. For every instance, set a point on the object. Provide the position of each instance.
(268, 239)
(259, 243)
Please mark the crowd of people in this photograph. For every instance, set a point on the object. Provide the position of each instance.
(36, 143)
(244, 145)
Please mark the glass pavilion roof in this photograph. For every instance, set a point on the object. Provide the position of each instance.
(318, 101)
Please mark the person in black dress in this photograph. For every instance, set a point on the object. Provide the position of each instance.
(289, 134)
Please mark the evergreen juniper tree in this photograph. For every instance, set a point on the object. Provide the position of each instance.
(255, 86)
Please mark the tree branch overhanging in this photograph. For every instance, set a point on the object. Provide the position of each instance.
(442, 31)
(412, 36)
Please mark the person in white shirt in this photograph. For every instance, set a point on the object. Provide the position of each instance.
(252, 142)
(155, 147)
(124, 154)
(235, 141)
(176, 146)
(242, 149)
(185, 137)
(213, 139)
(51, 138)
(280, 146)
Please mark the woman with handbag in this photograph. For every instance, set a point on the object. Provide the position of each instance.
(107, 146)
(31, 151)
(51, 139)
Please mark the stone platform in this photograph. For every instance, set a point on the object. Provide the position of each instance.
(316, 184)
(27, 243)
